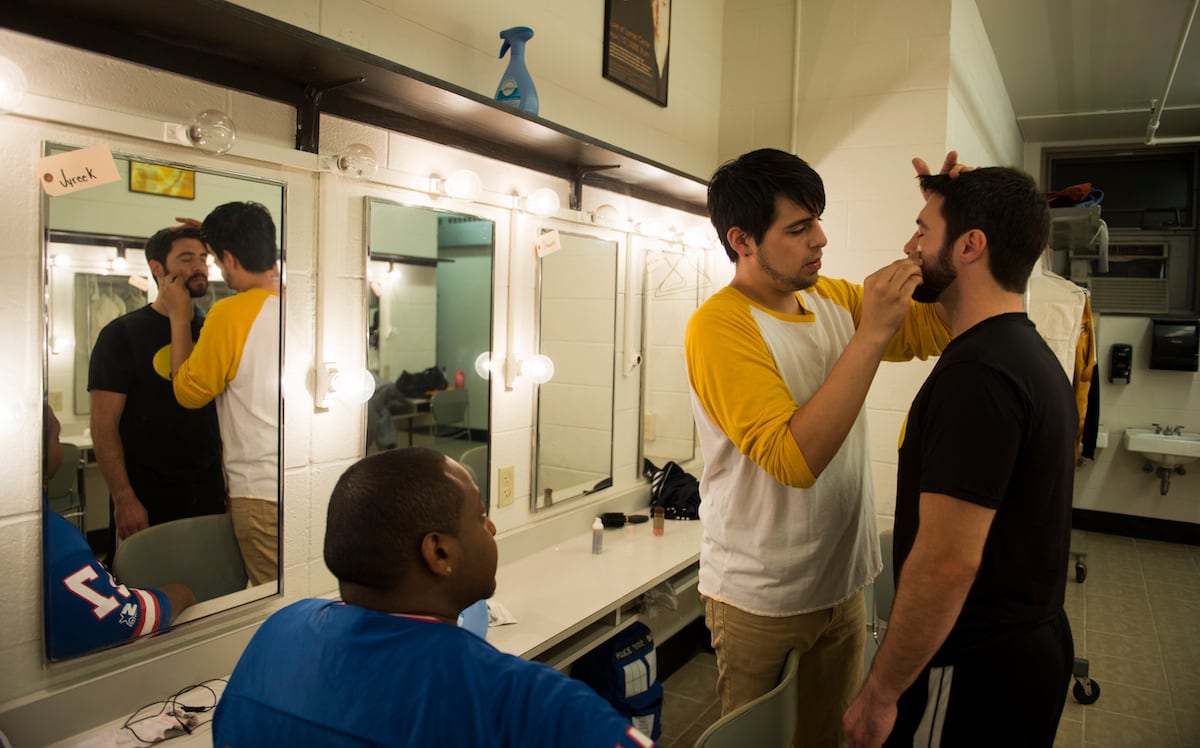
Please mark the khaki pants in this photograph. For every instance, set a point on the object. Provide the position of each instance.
(751, 650)
(256, 527)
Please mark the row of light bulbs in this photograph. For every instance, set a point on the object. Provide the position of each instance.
(120, 264)
(214, 131)
(354, 385)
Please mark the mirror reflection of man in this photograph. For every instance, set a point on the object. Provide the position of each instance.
(152, 479)
(235, 362)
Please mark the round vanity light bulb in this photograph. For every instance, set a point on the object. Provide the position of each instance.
(538, 369)
(12, 85)
(483, 365)
(61, 344)
(212, 131)
(463, 184)
(542, 202)
(61, 261)
(654, 228)
(607, 215)
(12, 418)
(700, 237)
(353, 386)
(119, 264)
(357, 162)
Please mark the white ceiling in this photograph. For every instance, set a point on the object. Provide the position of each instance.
(1089, 69)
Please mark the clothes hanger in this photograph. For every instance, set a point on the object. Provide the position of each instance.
(682, 282)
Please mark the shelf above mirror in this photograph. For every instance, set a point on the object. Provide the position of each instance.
(237, 48)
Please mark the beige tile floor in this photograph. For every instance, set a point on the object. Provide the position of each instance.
(1137, 620)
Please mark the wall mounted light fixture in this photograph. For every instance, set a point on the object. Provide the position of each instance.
(463, 184)
(211, 131)
(350, 384)
(543, 202)
(517, 367)
(358, 161)
(12, 85)
(700, 237)
(119, 264)
(655, 229)
(607, 215)
(483, 365)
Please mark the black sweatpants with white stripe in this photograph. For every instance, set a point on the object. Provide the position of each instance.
(1008, 694)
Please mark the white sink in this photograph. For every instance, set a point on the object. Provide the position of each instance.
(1164, 450)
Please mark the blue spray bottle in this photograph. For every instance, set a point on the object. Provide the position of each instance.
(516, 88)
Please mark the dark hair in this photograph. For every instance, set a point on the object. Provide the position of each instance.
(159, 245)
(1006, 205)
(380, 510)
(245, 230)
(742, 192)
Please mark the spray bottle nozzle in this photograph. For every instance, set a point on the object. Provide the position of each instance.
(516, 33)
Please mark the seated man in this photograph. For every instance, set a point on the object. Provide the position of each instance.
(409, 542)
(86, 609)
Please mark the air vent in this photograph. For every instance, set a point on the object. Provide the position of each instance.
(1129, 295)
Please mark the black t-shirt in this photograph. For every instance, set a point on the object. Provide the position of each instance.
(995, 424)
(172, 454)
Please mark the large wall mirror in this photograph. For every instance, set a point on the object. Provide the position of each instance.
(429, 316)
(107, 381)
(674, 284)
(576, 319)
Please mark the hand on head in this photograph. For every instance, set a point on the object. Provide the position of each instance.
(950, 166)
(186, 223)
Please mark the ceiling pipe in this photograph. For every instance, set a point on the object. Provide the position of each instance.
(1156, 107)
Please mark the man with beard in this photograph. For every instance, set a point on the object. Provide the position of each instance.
(152, 479)
(978, 649)
(779, 364)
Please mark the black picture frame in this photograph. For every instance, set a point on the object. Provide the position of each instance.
(637, 46)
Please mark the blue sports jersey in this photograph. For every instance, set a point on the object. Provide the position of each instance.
(324, 673)
(85, 607)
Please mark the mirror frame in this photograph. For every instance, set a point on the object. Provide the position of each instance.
(487, 487)
(226, 603)
(620, 245)
(702, 288)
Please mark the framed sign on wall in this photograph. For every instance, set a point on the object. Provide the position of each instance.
(637, 36)
(160, 179)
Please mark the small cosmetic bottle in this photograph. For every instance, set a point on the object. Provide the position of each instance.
(597, 536)
(659, 517)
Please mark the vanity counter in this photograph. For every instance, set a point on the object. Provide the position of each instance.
(567, 599)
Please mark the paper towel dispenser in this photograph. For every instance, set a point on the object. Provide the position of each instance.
(1175, 344)
(1120, 363)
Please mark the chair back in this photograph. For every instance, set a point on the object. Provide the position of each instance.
(199, 552)
(883, 591)
(64, 482)
(449, 409)
(62, 490)
(767, 722)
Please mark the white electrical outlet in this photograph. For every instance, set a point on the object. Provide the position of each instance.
(504, 479)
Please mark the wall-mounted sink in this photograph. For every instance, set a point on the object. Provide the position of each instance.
(1164, 450)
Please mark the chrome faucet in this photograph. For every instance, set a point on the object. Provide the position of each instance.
(1175, 430)
(1158, 429)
